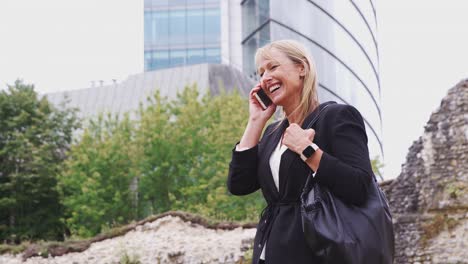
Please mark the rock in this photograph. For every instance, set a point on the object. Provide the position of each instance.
(169, 239)
(429, 199)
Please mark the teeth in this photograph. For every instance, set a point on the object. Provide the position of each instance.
(275, 87)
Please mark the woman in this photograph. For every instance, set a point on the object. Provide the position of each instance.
(279, 163)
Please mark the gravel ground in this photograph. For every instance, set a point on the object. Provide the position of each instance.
(166, 240)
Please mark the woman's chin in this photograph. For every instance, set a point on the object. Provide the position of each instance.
(276, 99)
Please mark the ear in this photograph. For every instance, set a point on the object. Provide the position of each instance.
(301, 70)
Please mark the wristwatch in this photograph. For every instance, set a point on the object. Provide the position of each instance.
(309, 151)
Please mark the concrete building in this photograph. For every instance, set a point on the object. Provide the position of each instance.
(127, 95)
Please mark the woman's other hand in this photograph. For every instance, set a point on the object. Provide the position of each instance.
(256, 112)
(297, 139)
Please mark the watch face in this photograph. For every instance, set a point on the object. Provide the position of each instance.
(308, 151)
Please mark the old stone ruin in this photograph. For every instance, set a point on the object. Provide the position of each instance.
(429, 199)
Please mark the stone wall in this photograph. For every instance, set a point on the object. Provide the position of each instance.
(429, 199)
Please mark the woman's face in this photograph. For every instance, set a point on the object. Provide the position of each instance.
(281, 79)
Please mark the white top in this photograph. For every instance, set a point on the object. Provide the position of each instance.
(275, 161)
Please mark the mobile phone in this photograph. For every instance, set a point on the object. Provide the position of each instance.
(263, 99)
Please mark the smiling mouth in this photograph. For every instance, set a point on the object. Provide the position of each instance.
(274, 88)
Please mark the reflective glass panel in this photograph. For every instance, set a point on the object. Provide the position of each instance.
(148, 25)
(254, 13)
(160, 26)
(213, 55)
(177, 57)
(177, 29)
(177, 2)
(160, 59)
(148, 60)
(212, 26)
(195, 56)
(195, 26)
(329, 36)
(347, 15)
(249, 48)
(159, 3)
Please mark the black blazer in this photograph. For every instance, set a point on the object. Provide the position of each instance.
(345, 169)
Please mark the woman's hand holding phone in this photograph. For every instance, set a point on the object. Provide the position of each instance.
(257, 120)
(256, 110)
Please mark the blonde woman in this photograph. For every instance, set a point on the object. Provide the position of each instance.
(279, 162)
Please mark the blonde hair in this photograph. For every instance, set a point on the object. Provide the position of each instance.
(298, 54)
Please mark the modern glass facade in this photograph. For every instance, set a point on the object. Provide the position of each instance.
(341, 36)
(181, 32)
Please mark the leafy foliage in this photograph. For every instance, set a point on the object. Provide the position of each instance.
(174, 156)
(377, 167)
(34, 137)
(97, 177)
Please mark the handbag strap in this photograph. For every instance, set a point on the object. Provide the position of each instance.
(311, 123)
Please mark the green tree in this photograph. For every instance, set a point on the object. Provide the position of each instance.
(173, 156)
(223, 119)
(96, 182)
(377, 167)
(34, 137)
(187, 150)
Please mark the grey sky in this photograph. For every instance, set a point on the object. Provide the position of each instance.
(62, 45)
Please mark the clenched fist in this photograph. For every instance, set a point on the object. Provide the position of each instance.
(297, 139)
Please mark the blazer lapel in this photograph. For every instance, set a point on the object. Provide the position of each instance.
(272, 142)
(286, 160)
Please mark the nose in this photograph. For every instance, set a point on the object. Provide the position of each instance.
(265, 79)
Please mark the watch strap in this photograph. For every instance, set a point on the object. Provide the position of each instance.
(314, 147)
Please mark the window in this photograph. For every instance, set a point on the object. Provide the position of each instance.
(195, 56)
(160, 59)
(182, 32)
(195, 26)
(148, 60)
(158, 2)
(212, 26)
(148, 30)
(213, 55)
(160, 27)
(177, 26)
(177, 2)
(177, 57)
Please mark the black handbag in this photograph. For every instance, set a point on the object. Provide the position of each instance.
(341, 233)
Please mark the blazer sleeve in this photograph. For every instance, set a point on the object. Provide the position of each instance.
(242, 176)
(347, 170)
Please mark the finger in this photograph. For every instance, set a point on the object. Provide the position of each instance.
(255, 89)
(293, 126)
(311, 133)
(272, 107)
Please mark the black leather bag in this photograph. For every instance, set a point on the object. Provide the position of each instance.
(341, 233)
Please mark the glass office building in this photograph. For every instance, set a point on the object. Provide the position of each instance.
(181, 32)
(341, 36)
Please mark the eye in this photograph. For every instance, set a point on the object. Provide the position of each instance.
(261, 74)
(274, 67)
